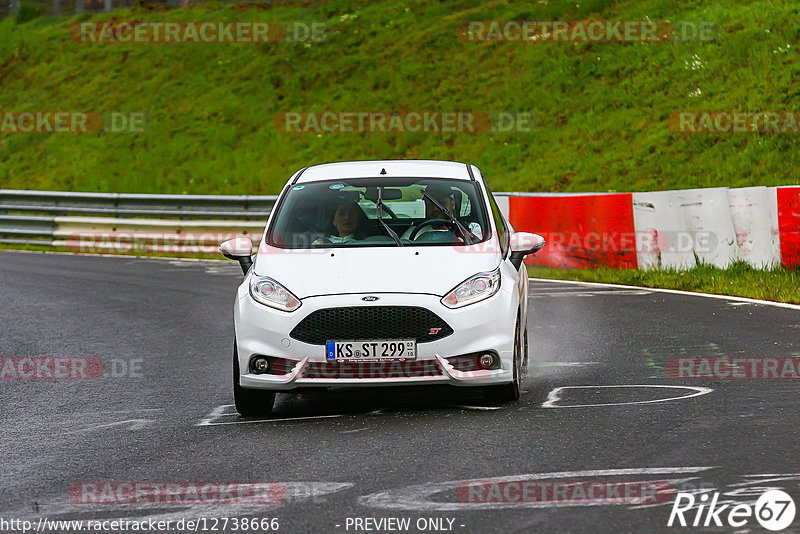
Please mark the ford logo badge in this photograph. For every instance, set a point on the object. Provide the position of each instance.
(370, 298)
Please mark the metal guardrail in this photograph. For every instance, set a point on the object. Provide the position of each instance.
(26, 225)
(243, 207)
(34, 217)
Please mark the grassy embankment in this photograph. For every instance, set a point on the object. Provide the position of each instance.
(600, 108)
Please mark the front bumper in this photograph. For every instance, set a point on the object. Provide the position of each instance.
(484, 326)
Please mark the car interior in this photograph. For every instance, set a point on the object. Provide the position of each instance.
(310, 217)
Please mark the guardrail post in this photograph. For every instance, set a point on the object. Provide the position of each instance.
(78, 6)
(14, 6)
(107, 4)
(56, 6)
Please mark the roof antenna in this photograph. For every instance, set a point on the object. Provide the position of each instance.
(383, 171)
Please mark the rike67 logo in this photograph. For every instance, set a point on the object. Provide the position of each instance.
(774, 510)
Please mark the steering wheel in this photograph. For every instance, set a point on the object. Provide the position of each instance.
(447, 222)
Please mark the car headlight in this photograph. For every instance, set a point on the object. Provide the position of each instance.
(270, 293)
(473, 289)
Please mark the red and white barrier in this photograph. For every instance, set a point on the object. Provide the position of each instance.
(788, 208)
(665, 229)
(708, 217)
(582, 231)
(664, 241)
(755, 221)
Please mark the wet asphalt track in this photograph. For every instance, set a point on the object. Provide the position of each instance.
(381, 453)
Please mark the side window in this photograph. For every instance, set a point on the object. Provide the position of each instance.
(499, 222)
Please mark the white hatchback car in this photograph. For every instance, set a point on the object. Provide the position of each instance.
(381, 273)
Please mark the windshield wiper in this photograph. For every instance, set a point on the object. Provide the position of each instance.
(465, 232)
(379, 206)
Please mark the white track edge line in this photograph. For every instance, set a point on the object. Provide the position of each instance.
(677, 292)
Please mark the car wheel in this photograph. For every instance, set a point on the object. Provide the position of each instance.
(250, 402)
(511, 391)
(524, 353)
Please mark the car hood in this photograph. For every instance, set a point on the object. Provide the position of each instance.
(431, 270)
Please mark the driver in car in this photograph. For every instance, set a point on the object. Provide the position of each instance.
(444, 196)
(348, 223)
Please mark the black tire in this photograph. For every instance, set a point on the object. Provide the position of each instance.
(509, 392)
(250, 402)
(524, 352)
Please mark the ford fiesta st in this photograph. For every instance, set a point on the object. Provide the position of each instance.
(381, 273)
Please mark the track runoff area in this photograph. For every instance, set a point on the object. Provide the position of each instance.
(644, 411)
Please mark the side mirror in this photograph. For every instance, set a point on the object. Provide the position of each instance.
(239, 249)
(523, 244)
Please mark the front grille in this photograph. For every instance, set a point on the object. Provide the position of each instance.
(371, 322)
(393, 369)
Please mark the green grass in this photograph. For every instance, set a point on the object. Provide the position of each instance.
(738, 280)
(601, 108)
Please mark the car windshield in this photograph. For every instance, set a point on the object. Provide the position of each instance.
(368, 212)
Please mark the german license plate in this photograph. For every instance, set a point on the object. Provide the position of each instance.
(371, 350)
